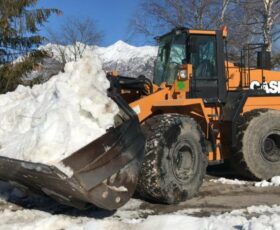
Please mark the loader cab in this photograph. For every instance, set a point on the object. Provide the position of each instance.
(204, 51)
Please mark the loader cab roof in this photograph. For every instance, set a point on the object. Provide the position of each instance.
(188, 31)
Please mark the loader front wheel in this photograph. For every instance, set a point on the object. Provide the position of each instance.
(258, 145)
(175, 159)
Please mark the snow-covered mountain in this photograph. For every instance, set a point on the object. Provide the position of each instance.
(126, 59)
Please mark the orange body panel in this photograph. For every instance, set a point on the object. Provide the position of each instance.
(165, 101)
(268, 102)
(144, 106)
(202, 32)
(237, 79)
(209, 32)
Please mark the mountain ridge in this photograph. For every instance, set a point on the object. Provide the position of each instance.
(126, 59)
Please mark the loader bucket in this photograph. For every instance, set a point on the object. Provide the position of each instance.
(105, 172)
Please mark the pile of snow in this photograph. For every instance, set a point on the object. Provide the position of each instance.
(275, 181)
(50, 121)
(264, 218)
(223, 180)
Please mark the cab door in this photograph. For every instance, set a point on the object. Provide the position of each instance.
(207, 58)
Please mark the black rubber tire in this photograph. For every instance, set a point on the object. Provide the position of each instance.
(160, 178)
(249, 158)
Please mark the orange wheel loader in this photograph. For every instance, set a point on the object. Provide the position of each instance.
(200, 109)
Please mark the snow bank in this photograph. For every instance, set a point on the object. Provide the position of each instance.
(275, 181)
(223, 180)
(48, 122)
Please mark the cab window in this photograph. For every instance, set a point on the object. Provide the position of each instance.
(203, 56)
(172, 50)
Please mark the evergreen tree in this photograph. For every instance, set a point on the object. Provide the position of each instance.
(19, 26)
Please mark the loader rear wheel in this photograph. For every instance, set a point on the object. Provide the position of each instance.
(175, 159)
(258, 145)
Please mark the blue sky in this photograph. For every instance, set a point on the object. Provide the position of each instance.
(112, 16)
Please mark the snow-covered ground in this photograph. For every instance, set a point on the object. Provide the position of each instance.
(274, 181)
(130, 217)
(223, 180)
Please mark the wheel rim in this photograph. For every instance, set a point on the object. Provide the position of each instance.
(183, 161)
(271, 146)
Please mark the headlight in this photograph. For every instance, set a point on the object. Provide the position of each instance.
(183, 74)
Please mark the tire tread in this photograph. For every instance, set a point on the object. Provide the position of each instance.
(149, 186)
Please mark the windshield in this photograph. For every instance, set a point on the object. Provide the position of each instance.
(172, 50)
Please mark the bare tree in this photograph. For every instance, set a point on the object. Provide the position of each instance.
(248, 21)
(263, 20)
(156, 16)
(74, 37)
